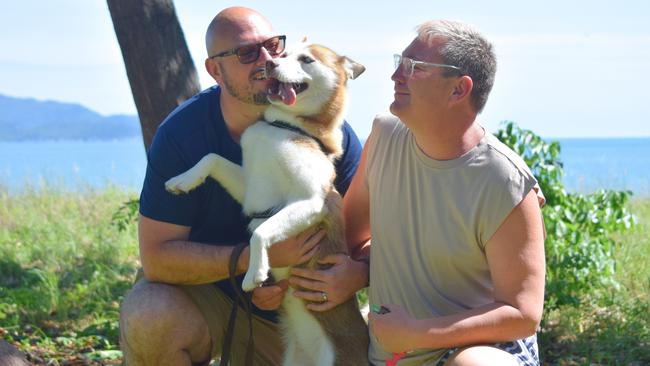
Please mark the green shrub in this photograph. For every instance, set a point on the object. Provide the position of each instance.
(126, 215)
(580, 228)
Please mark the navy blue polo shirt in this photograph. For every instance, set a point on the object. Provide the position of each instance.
(193, 130)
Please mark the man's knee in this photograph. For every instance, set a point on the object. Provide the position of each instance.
(146, 306)
(481, 355)
(157, 318)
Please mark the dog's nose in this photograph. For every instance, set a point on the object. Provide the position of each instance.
(270, 65)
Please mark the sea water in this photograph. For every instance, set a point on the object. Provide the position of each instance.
(589, 164)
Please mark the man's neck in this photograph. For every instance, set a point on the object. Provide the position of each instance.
(448, 140)
(238, 115)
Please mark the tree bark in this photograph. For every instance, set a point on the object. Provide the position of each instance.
(10, 356)
(158, 63)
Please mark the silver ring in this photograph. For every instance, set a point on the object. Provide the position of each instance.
(324, 296)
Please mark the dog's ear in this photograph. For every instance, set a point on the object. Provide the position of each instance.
(353, 68)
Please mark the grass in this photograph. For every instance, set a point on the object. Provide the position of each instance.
(65, 268)
(611, 328)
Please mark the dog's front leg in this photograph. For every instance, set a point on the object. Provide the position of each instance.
(291, 220)
(227, 173)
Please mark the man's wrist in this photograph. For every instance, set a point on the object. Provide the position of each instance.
(426, 333)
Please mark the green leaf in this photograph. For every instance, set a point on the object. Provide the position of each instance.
(579, 248)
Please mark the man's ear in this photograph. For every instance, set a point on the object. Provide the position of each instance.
(462, 89)
(212, 67)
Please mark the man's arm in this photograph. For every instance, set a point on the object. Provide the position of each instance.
(515, 255)
(356, 212)
(167, 256)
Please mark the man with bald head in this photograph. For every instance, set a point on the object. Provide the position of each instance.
(177, 312)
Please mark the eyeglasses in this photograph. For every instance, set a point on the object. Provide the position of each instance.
(410, 64)
(251, 52)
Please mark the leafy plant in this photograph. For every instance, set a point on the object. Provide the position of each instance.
(580, 228)
(126, 214)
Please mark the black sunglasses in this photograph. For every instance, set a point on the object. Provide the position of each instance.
(251, 52)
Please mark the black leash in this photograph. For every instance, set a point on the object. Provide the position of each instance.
(300, 131)
(264, 214)
(245, 299)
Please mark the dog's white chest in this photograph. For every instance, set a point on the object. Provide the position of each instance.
(278, 171)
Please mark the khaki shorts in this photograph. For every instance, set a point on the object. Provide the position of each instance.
(216, 307)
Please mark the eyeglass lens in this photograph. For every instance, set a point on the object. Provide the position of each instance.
(248, 54)
(406, 62)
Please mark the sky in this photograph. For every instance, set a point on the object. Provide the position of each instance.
(565, 68)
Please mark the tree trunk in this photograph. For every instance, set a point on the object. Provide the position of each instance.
(158, 63)
(10, 356)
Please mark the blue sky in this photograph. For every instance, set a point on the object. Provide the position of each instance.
(566, 68)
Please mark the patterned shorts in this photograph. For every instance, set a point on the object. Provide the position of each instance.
(525, 351)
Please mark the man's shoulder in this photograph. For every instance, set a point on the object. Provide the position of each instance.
(386, 120)
(347, 129)
(503, 155)
(508, 160)
(350, 139)
(188, 130)
(387, 127)
(194, 113)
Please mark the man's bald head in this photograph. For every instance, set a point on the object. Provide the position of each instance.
(233, 24)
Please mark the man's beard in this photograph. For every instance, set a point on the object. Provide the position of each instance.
(246, 95)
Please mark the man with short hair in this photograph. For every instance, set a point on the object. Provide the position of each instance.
(457, 258)
(178, 312)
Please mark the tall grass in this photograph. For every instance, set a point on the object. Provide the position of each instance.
(633, 253)
(64, 269)
(612, 327)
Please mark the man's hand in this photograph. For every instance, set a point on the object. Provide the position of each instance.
(269, 297)
(289, 252)
(338, 283)
(297, 249)
(395, 330)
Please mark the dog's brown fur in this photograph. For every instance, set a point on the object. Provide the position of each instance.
(344, 324)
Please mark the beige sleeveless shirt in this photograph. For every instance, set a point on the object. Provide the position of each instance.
(430, 221)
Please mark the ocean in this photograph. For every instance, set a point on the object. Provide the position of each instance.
(610, 163)
(589, 164)
(72, 164)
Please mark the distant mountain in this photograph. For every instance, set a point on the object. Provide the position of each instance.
(30, 119)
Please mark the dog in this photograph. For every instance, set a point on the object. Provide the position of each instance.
(287, 173)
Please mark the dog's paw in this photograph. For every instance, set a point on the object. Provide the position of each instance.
(249, 283)
(253, 280)
(182, 183)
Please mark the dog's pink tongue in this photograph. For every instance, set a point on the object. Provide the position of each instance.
(287, 93)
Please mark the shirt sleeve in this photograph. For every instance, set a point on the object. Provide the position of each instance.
(165, 161)
(347, 164)
(508, 188)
